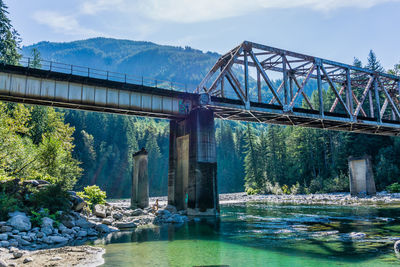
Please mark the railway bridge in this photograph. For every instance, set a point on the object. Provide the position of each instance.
(252, 82)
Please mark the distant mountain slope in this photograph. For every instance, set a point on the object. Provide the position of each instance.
(177, 64)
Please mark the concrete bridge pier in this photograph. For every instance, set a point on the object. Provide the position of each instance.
(361, 176)
(192, 176)
(140, 180)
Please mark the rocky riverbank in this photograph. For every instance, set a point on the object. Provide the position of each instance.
(381, 198)
(20, 241)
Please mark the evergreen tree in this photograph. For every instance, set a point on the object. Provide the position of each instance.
(10, 40)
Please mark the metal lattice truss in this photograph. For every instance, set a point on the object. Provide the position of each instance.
(254, 82)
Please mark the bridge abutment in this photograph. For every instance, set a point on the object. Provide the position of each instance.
(192, 176)
(361, 176)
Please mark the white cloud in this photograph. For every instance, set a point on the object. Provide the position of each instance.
(187, 11)
(63, 23)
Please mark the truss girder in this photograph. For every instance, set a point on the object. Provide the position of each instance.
(260, 74)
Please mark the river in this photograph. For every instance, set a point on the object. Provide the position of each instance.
(262, 234)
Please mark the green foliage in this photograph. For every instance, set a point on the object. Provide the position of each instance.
(36, 144)
(93, 195)
(8, 204)
(36, 217)
(9, 38)
(251, 191)
(393, 188)
(286, 190)
(53, 197)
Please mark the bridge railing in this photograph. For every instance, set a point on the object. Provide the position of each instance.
(103, 74)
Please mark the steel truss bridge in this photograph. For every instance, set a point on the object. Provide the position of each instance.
(252, 82)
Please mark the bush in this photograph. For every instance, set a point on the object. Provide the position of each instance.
(393, 188)
(285, 190)
(251, 191)
(8, 204)
(295, 189)
(36, 217)
(53, 197)
(93, 195)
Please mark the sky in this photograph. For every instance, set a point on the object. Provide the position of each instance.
(333, 29)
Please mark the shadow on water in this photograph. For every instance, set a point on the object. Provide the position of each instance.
(301, 231)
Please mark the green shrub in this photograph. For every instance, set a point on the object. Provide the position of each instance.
(93, 195)
(295, 189)
(285, 190)
(36, 217)
(251, 191)
(8, 204)
(393, 188)
(53, 197)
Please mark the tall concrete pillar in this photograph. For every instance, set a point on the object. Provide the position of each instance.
(361, 176)
(192, 177)
(140, 180)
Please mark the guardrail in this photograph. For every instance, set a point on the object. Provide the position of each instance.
(102, 74)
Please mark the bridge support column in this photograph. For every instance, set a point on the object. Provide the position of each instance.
(140, 180)
(192, 176)
(361, 176)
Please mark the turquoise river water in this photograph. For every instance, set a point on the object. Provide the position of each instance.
(262, 234)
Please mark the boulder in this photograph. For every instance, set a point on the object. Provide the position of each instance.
(92, 232)
(83, 223)
(77, 202)
(125, 225)
(82, 233)
(118, 216)
(397, 247)
(100, 211)
(20, 222)
(5, 229)
(17, 254)
(107, 221)
(3, 263)
(4, 244)
(137, 212)
(3, 237)
(58, 239)
(176, 218)
(47, 230)
(104, 229)
(68, 221)
(27, 260)
(47, 222)
(171, 208)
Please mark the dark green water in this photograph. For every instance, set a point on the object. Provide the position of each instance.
(260, 234)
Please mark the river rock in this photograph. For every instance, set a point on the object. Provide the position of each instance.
(171, 208)
(5, 229)
(107, 221)
(176, 218)
(4, 244)
(3, 263)
(27, 260)
(68, 221)
(19, 221)
(77, 202)
(125, 225)
(118, 216)
(397, 247)
(3, 237)
(17, 254)
(47, 222)
(57, 239)
(82, 233)
(100, 211)
(104, 229)
(47, 230)
(83, 223)
(136, 212)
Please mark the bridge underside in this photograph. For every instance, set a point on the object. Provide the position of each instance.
(271, 114)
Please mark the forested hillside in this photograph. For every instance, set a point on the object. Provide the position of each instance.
(253, 157)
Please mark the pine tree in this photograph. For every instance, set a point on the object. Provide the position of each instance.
(373, 63)
(10, 40)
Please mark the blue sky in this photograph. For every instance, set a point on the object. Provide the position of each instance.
(332, 29)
